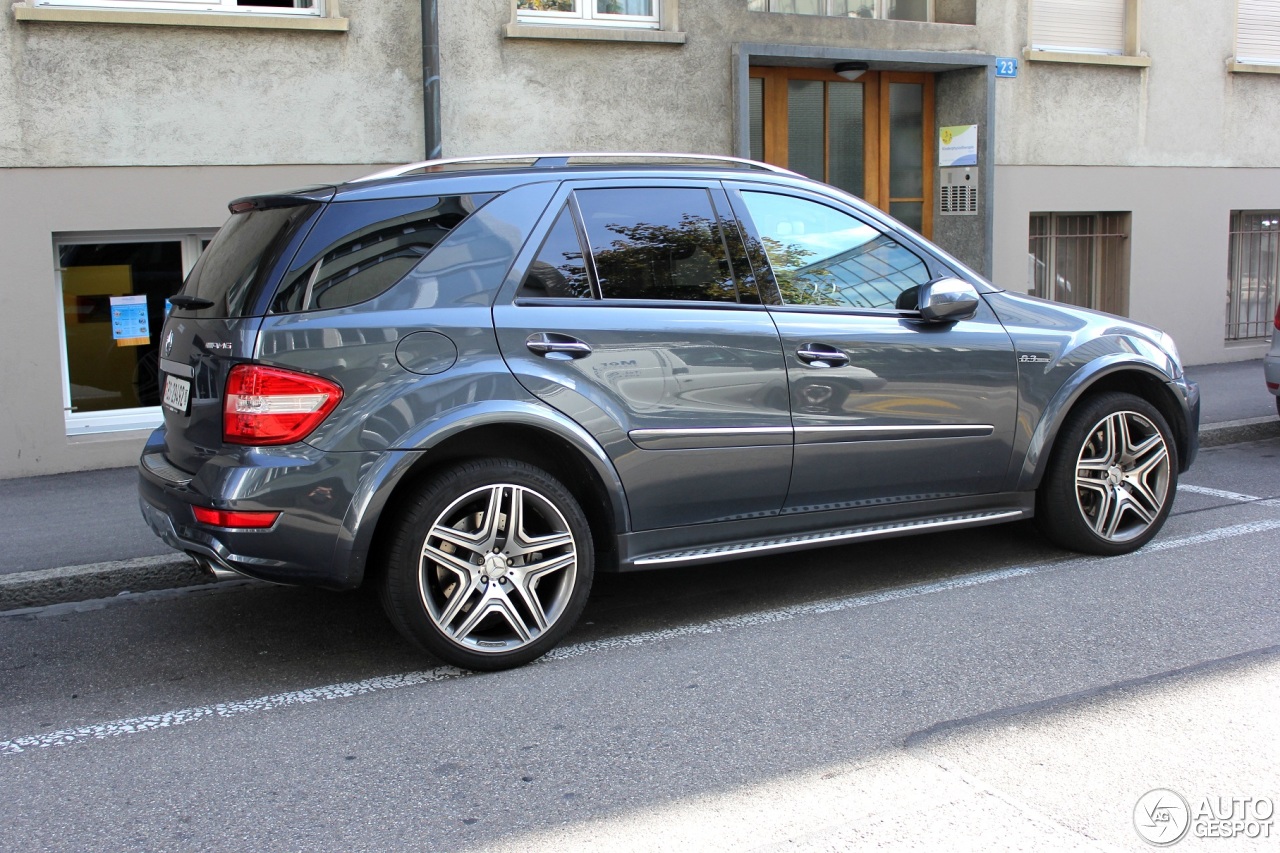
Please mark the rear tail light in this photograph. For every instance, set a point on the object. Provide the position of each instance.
(269, 405)
(227, 518)
(1278, 316)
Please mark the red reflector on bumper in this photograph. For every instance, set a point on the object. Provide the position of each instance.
(226, 518)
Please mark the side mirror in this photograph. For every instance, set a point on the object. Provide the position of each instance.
(946, 300)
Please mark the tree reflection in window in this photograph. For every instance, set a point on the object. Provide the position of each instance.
(559, 271)
(823, 257)
(657, 244)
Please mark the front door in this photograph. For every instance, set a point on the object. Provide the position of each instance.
(872, 137)
(886, 407)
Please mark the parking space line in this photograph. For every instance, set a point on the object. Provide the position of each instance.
(1231, 496)
(170, 719)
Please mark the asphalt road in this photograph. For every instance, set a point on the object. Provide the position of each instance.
(888, 694)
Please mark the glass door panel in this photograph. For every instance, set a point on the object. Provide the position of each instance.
(871, 137)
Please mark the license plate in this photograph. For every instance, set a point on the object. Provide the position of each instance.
(177, 393)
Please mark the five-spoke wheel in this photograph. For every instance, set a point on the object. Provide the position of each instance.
(491, 565)
(1110, 483)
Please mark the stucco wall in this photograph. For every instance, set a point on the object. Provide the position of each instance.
(1177, 246)
(1186, 109)
(74, 94)
(514, 94)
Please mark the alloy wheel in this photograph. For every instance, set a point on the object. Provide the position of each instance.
(497, 568)
(1122, 476)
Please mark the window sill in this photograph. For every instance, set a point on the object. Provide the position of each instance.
(1086, 58)
(587, 33)
(45, 14)
(1252, 68)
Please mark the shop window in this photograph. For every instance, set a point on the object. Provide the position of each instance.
(280, 7)
(1101, 27)
(599, 13)
(1253, 274)
(1258, 32)
(114, 291)
(1081, 259)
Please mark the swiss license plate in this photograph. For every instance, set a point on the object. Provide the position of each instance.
(177, 393)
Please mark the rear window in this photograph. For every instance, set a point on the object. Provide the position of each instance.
(233, 269)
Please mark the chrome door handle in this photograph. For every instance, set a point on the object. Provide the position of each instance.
(557, 347)
(821, 355)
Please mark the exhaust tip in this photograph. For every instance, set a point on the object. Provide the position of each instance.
(219, 572)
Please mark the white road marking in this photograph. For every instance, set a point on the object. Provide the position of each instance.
(133, 725)
(1231, 496)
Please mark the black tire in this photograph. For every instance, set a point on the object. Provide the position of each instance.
(1111, 478)
(489, 565)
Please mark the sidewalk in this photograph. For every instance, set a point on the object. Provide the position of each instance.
(72, 537)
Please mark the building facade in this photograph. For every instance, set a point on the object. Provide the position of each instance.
(1090, 151)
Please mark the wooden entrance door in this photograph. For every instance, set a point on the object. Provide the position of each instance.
(873, 137)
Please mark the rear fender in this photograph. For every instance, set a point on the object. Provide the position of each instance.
(380, 481)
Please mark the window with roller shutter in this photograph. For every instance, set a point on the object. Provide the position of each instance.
(1258, 32)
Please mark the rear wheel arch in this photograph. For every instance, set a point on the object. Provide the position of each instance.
(533, 445)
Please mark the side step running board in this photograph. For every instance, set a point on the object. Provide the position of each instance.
(829, 537)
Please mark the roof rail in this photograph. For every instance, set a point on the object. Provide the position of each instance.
(521, 161)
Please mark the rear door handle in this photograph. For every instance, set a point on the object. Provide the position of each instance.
(821, 355)
(556, 346)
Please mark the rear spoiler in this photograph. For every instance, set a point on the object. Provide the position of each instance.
(318, 193)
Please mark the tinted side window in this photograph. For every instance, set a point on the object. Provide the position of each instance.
(821, 256)
(559, 271)
(657, 244)
(360, 249)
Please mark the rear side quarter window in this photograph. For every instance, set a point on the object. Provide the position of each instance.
(361, 249)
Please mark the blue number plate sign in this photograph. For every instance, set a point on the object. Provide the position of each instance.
(1006, 66)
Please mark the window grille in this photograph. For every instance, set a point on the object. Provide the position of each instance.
(1253, 273)
(1081, 259)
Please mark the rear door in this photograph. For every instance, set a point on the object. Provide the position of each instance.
(637, 316)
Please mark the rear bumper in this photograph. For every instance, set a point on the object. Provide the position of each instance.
(312, 490)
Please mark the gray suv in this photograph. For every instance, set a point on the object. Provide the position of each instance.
(476, 383)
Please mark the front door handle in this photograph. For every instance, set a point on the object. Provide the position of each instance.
(556, 346)
(821, 355)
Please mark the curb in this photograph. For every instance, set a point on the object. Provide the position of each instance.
(22, 590)
(1233, 432)
(99, 580)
